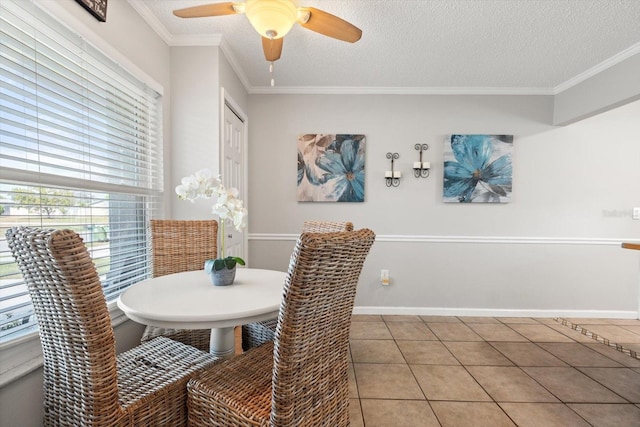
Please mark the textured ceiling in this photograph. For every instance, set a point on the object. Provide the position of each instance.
(424, 46)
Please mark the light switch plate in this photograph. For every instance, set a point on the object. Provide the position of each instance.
(636, 213)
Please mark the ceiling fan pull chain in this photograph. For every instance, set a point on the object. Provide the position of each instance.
(273, 81)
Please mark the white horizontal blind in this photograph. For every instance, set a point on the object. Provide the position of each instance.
(80, 148)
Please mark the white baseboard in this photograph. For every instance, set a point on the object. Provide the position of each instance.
(496, 312)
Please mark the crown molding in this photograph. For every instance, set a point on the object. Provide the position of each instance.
(235, 65)
(347, 90)
(191, 40)
(151, 19)
(171, 39)
(597, 69)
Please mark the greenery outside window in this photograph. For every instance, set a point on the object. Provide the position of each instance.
(80, 148)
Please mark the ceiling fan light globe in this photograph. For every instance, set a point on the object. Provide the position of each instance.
(271, 18)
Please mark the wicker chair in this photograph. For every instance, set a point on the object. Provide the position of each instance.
(85, 383)
(176, 246)
(326, 226)
(257, 333)
(299, 379)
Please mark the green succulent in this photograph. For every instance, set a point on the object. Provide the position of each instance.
(220, 263)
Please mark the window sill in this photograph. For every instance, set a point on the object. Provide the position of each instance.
(23, 355)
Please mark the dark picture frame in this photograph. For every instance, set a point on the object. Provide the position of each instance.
(98, 8)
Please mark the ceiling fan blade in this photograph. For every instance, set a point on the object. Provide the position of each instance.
(272, 48)
(330, 25)
(214, 9)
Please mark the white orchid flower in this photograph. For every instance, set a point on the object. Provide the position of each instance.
(204, 185)
(201, 185)
(240, 218)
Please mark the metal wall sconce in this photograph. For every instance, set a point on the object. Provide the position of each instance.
(392, 177)
(421, 169)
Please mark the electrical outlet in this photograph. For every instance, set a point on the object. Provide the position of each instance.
(636, 213)
(384, 277)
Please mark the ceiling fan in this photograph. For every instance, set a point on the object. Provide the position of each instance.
(273, 19)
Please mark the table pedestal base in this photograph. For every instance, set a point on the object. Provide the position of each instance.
(222, 342)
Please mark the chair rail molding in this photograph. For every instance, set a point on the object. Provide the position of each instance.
(514, 240)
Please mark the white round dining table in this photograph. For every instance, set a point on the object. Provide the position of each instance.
(189, 300)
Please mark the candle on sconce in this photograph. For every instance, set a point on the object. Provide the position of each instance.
(388, 174)
(416, 165)
(425, 165)
(397, 174)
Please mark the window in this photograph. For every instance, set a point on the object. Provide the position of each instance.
(80, 148)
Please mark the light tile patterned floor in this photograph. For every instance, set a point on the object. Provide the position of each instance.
(484, 371)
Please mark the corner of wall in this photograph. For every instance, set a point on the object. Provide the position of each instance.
(611, 88)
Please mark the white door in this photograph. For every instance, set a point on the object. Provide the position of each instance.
(233, 175)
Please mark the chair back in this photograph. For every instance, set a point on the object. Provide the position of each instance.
(310, 380)
(78, 342)
(326, 226)
(182, 245)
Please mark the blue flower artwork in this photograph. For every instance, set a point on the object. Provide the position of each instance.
(331, 168)
(477, 168)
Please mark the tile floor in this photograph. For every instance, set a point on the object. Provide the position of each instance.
(481, 371)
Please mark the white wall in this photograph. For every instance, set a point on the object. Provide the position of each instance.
(554, 250)
(197, 76)
(195, 108)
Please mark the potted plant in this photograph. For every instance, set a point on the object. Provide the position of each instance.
(204, 185)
